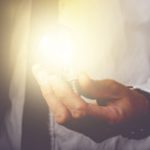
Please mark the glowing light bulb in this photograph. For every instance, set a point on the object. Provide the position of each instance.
(55, 51)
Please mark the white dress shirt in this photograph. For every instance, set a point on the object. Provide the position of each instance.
(121, 53)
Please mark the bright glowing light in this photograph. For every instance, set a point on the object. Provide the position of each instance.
(55, 49)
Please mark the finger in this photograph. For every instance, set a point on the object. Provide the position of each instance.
(60, 112)
(109, 114)
(72, 101)
(86, 86)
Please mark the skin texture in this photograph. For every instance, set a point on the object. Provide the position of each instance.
(124, 104)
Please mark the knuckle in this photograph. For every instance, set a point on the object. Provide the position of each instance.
(81, 106)
(78, 115)
(115, 116)
(80, 111)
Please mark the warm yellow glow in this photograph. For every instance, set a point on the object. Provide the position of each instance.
(90, 46)
(55, 49)
(98, 27)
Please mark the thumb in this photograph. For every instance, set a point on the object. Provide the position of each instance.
(101, 89)
(86, 86)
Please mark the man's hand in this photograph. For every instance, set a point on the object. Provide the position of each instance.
(123, 103)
